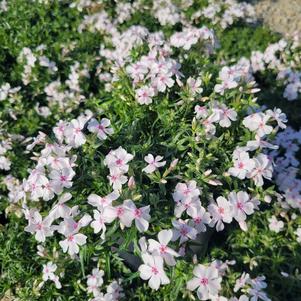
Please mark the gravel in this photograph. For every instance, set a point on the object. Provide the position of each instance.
(283, 16)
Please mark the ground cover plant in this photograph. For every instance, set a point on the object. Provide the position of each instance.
(149, 151)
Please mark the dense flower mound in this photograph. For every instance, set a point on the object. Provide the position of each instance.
(136, 159)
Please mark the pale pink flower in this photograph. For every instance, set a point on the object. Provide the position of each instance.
(102, 128)
(121, 212)
(161, 249)
(95, 281)
(241, 205)
(263, 169)
(278, 116)
(114, 291)
(98, 224)
(101, 202)
(221, 213)
(186, 205)
(243, 165)
(144, 95)
(153, 163)
(201, 112)
(48, 271)
(72, 243)
(200, 218)
(73, 132)
(206, 281)
(41, 227)
(185, 191)
(61, 209)
(48, 274)
(241, 281)
(260, 143)
(117, 179)
(194, 85)
(183, 231)
(140, 215)
(59, 130)
(61, 179)
(275, 225)
(118, 159)
(162, 81)
(257, 122)
(225, 85)
(223, 115)
(69, 225)
(152, 270)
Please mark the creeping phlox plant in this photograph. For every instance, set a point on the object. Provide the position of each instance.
(130, 149)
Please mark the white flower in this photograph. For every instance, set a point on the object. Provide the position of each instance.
(73, 132)
(194, 85)
(278, 116)
(153, 163)
(257, 123)
(101, 202)
(206, 280)
(61, 179)
(121, 212)
(140, 215)
(117, 179)
(243, 165)
(118, 159)
(144, 95)
(102, 128)
(263, 169)
(61, 209)
(275, 225)
(72, 242)
(199, 218)
(183, 231)
(185, 191)
(48, 271)
(161, 249)
(221, 213)
(201, 112)
(223, 115)
(241, 207)
(98, 223)
(298, 233)
(95, 281)
(152, 270)
(48, 274)
(41, 227)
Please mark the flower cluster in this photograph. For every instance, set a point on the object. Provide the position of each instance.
(226, 12)
(139, 142)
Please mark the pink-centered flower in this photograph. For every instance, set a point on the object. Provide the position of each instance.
(152, 270)
(160, 247)
(206, 281)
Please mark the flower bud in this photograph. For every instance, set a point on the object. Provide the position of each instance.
(131, 183)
